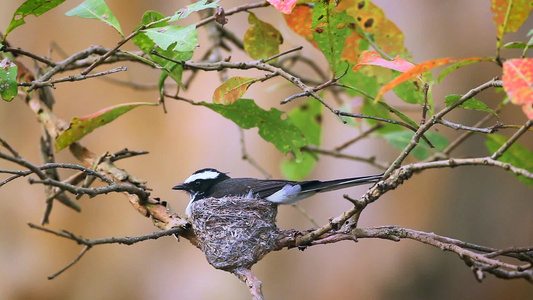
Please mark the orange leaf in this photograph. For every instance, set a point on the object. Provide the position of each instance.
(373, 21)
(374, 58)
(300, 21)
(518, 14)
(415, 71)
(518, 83)
(285, 6)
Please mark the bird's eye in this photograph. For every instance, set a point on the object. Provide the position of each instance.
(197, 183)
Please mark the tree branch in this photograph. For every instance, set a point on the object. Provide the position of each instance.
(234, 11)
(37, 84)
(182, 230)
(511, 140)
(422, 129)
(479, 262)
(259, 65)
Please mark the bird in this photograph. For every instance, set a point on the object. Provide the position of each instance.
(209, 182)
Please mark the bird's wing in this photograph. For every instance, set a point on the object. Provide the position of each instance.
(258, 187)
(265, 188)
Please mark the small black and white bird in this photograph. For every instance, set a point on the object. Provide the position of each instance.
(208, 182)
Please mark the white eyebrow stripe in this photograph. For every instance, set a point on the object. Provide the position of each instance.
(203, 175)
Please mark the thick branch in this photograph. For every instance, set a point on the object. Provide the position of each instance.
(480, 262)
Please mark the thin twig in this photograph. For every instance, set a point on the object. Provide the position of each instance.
(37, 84)
(425, 107)
(249, 159)
(128, 188)
(422, 129)
(512, 139)
(281, 54)
(60, 66)
(317, 88)
(128, 240)
(464, 136)
(455, 162)
(89, 243)
(235, 10)
(361, 136)
(6, 145)
(369, 160)
(456, 126)
(221, 65)
(110, 52)
(42, 59)
(304, 213)
(75, 260)
(406, 125)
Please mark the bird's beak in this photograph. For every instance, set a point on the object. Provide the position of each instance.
(182, 187)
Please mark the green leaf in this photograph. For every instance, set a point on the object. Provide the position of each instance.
(308, 118)
(458, 65)
(360, 81)
(189, 9)
(517, 155)
(8, 79)
(233, 89)
(409, 91)
(183, 39)
(96, 9)
(293, 170)
(530, 42)
(515, 45)
(400, 115)
(377, 110)
(146, 44)
(80, 127)
(400, 139)
(262, 40)
(472, 103)
(30, 7)
(272, 128)
(330, 29)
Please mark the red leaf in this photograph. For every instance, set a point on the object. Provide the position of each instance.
(518, 83)
(285, 6)
(374, 58)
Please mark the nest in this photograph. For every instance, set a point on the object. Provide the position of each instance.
(234, 232)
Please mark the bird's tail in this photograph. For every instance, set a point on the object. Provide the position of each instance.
(331, 185)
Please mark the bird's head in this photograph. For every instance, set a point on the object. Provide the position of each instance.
(200, 182)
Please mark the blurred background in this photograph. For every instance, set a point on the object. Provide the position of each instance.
(482, 205)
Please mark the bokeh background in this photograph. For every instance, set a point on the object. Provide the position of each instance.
(482, 205)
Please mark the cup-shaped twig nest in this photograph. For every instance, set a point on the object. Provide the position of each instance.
(235, 232)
